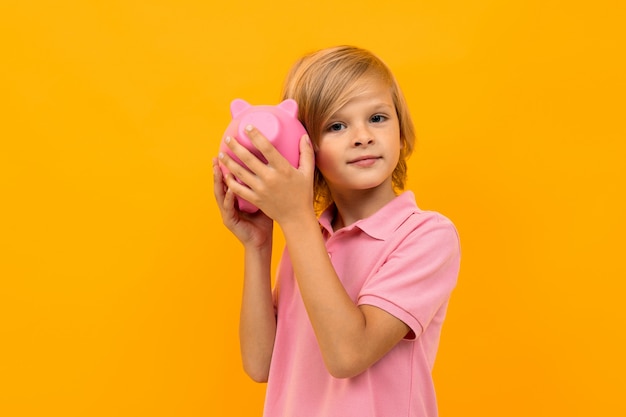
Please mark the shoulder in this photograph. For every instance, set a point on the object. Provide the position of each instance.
(429, 227)
(427, 235)
(403, 221)
(431, 221)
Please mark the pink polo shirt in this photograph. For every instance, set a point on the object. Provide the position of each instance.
(402, 260)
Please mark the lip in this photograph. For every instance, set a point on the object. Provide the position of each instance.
(365, 160)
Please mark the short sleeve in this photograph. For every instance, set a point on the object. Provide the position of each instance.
(419, 273)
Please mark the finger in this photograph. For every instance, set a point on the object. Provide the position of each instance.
(237, 170)
(265, 147)
(229, 202)
(307, 156)
(219, 188)
(253, 158)
(229, 212)
(239, 189)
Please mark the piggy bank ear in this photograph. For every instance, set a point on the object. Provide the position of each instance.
(290, 106)
(237, 106)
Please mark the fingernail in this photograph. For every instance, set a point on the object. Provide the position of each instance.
(220, 155)
(248, 128)
(227, 139)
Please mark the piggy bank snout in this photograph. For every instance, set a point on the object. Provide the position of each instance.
(267, 123)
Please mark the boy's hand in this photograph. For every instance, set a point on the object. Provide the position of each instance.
(253, 230)
(281, 191)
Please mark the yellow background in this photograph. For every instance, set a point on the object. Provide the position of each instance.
(119, 286)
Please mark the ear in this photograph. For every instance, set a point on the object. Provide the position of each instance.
(237, 106)
(290, 106)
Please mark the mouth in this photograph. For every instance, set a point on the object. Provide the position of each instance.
(366, 160)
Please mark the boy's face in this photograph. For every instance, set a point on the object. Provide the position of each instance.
(359, 147)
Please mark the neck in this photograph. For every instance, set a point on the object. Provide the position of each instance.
(357, 205)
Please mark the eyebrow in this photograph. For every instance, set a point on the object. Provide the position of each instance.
(386, 105)
(375, 106)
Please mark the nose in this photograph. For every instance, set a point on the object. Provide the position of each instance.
(362, 136)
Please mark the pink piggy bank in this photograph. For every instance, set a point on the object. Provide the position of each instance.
(279, 124)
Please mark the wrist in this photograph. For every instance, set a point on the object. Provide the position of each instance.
(264, 247)
(299, 226)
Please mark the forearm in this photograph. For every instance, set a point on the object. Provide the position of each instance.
(257, 327)
(339, 325)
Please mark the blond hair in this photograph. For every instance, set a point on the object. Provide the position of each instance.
(323, 82)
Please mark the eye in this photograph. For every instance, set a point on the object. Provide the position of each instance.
(336, 127)
(378, 118)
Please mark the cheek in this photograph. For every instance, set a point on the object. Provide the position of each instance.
(321, 161)
(323, 155)
(400, 149)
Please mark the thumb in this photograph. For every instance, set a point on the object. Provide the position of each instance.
(307, 156)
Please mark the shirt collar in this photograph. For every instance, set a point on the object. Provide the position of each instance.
(381, 224)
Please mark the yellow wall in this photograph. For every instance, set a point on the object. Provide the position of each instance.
(119, 287)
